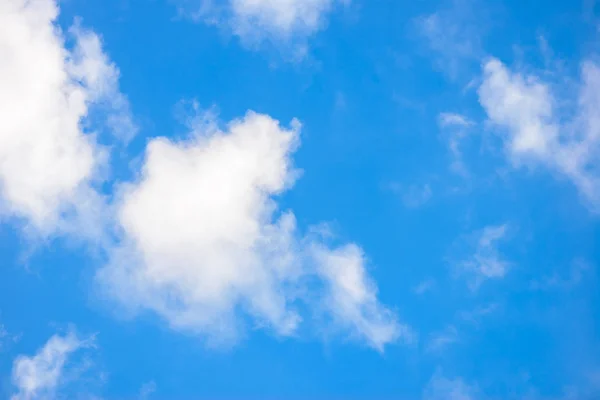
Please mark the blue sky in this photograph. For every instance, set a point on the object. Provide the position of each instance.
(290, 199)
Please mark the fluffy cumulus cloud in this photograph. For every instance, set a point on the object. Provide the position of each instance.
(539, 128)
(47, 156)
(257, 20)
(39, 376)
(204, 243)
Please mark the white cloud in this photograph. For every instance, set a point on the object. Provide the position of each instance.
(442, 388)
(457, 128)
(351, 297)
(203, 242)
(486, 262)
(255, 21)
(454, 119)
(39, 376)
(47, 157)
(279, 16)
(535, 128)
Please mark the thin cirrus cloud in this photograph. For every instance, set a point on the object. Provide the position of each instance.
(48, 161)
(202, 239)
(531, 122)
(40, 376)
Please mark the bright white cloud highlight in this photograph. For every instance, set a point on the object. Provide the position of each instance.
(203, 242)
(47, 157)
(538, 128)
(281, 17)
(255, 21)
(39, 376)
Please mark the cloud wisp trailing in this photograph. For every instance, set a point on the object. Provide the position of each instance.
(41, 375)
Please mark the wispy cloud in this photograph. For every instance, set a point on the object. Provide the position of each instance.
(453, 119)
(531, 121)
(412, 196)
(475, 315)
(41, 375)
(7, 338)
(456, 128)
(486, 261)
(453, 35)
(416, 196)
(440, 340)
(577, 272)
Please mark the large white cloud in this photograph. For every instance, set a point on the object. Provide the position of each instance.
(539, 128)
(39, 376)
(204, 244)
(47, 159)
